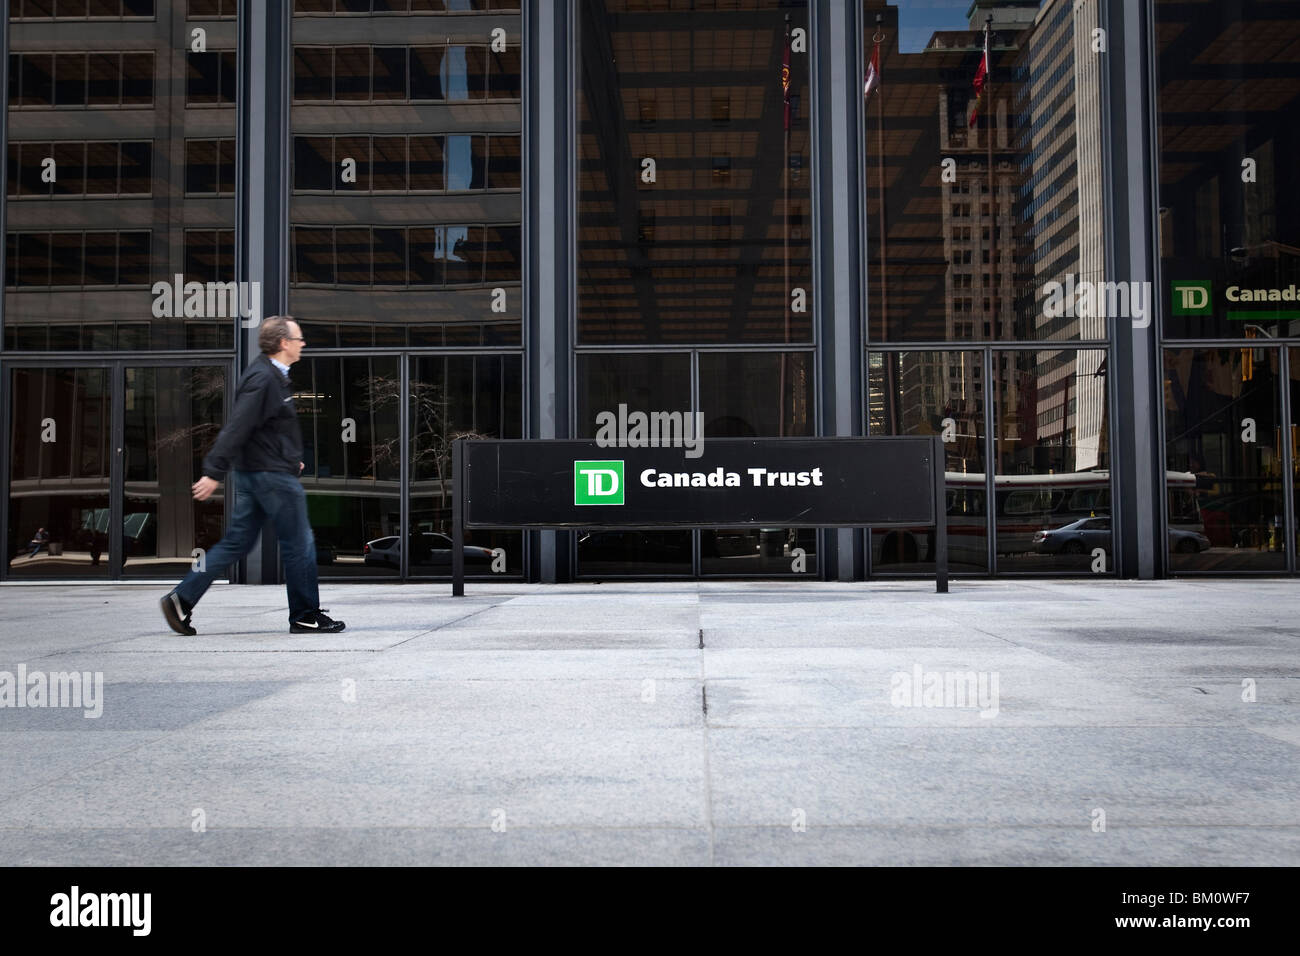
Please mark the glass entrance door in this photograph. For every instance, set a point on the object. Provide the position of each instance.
(101, 460)
(60, 472)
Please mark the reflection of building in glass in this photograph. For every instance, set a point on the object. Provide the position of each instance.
(405, 213)
(694, 190)
(1059, 214)
(121, 156)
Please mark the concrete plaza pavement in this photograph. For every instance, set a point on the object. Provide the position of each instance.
(688, 723)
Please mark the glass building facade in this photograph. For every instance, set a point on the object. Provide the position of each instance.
(1060, 234)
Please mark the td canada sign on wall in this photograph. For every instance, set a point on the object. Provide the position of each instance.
(1195, 297)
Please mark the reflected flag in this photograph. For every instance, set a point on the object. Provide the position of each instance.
(785, 76)
(981, 79)
(872, 82)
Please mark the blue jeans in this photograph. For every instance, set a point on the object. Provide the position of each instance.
(262, 495)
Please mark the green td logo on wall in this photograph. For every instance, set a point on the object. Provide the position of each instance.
(1191, 297)
(597, 482)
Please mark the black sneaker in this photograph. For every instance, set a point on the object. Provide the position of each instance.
(176, 614)
(315, 622)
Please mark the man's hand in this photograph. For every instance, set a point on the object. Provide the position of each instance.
(301, 466)
(204, 487)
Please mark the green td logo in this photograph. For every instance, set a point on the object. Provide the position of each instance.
(1191, 297)
(597, 482)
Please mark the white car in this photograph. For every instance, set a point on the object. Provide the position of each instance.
(432, 550)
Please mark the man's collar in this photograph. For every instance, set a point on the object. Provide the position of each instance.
(284, 369)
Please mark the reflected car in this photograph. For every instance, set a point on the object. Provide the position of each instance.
(1077, 537)
(431, 549)
(1082, 536)
(1187, 542)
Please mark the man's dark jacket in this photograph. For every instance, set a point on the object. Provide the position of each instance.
(263, 432)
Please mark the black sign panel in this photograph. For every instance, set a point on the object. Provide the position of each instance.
(777, 482)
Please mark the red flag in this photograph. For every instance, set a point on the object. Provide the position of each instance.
(785, 76)
(981, 80)
(872, 82)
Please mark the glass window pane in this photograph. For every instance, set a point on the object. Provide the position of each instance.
(756, 394)
(135, 170)
(313, 163)
(31, 182)
(353, 490)
(101, 258)
(226, 154)
(1010, 225)
(389, 68)
(353, 152)
(59, 491)
(693, 258)
(200, 255)
(390, 256)
(476, 72)
(34, 259)
(427, 163)
(352, 73)
(1228, 232)
(465, 162)
(101, 168)
(37, 79)
(464, 254)
(105, 79)
(1052, 446)
(456, 82)
(503, 74)
(133, 259)
(458, 396)
(70, 79)
(934, 393)
(504, 170)
(422, 242)
(203, 79)
(352, 250)
(426, 73)
(1224, 489)
(313, 255)
(229, 77)
(12, 170)
(504, 254)
(389, 163)
(426, 256)
(172, 417)
(66, 259)
(70, 163)
(313, 74)
(137, 79)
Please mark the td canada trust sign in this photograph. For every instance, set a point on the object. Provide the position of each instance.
(733, 482)
(601, 482)
(785, 482)
(1195, 297)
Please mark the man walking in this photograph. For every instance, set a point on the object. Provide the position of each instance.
(263, 444)
(39, 540)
